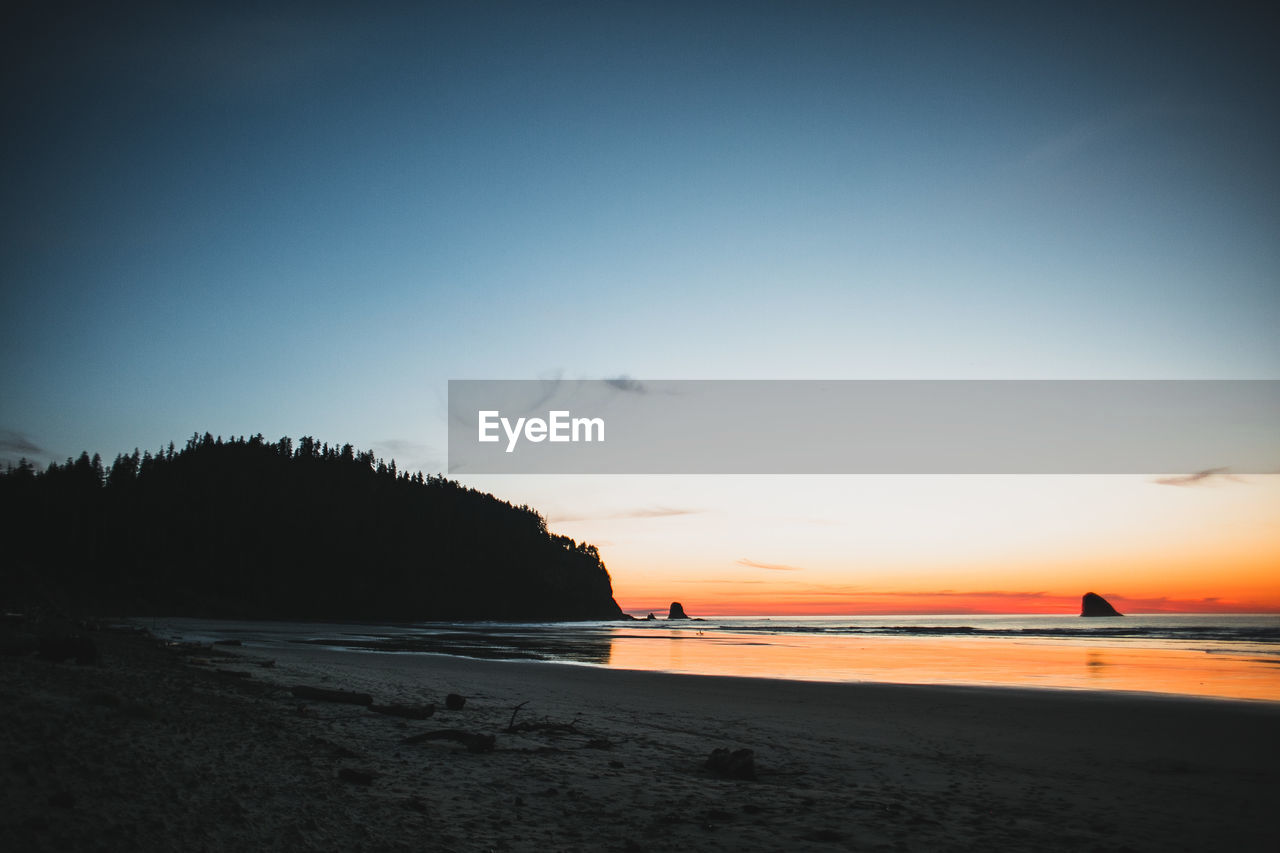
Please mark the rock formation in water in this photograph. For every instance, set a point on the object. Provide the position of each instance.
(677, 611)
(1095, 605)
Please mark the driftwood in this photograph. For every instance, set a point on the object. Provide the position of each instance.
(323, 694)
(408, 712)
(472, 741)
(546, 726)
(516, 710)
(541, 725)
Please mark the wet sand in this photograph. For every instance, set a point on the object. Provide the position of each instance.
(157, 749)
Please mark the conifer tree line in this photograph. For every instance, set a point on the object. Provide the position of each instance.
(251, 528)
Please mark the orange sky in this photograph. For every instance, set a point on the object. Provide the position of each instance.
(850, 545)
(1203, 580)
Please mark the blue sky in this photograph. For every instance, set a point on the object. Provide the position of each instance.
(306, 218)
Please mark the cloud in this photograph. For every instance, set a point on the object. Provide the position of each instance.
(549, 388)
(627, 384)
(12, 441)
(1096, 131)
(776, 567)
(1208, 604)
(640, 512)
(1199, 478)
(946, 593)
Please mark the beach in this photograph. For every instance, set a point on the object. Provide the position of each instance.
(161, 746)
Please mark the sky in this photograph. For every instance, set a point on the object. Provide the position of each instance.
(304, 219)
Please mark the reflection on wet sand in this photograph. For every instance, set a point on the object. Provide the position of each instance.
(951, 660)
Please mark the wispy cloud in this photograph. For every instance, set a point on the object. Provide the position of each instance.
(774, 567)
(12, 441)
(856, 592)
(1099, 129)
(627, 384)
(1209, 475)
(1208, 604)
(639, 512)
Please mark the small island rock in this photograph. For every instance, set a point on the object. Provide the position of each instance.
(1095, 605)
(677, 611)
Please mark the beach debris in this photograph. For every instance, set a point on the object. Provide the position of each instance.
(474, 742)
(408, 712)
(354, 776)
(735, 764)
(324, 694)
(543, 725)
(454, 702)
(677, 611)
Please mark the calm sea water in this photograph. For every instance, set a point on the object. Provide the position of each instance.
(1230, 656)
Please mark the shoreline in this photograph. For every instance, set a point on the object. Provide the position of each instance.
(752, 683)
(1194, 666)
(160, 747)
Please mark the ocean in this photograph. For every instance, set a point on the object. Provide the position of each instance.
(1234, 656)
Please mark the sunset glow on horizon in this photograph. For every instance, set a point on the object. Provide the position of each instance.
(722, 602)
(925, 545)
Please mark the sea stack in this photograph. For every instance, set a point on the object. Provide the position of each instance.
(677, 611)
(1095, 605)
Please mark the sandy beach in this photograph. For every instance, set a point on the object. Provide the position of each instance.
(159, 747)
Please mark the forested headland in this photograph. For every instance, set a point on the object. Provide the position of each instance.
(249, 528)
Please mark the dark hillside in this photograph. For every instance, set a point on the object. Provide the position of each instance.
(249, 528)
